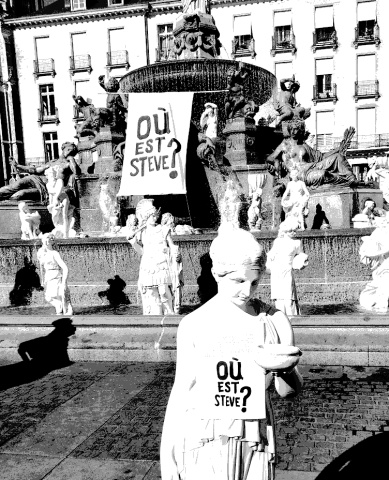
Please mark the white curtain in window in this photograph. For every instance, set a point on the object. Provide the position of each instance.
(366, 121)
(282, 18)
(83, 89)
(366, 67)
(284, 70)
(43, 48)
(80, 46)
(117, 39)
(242, 25)
(324, 17)
(366, 11)
(324, 122)
(324, 66)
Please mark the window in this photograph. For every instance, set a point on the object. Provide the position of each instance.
(324, 24)
(282, 26)
(242, 32)
(324, 70)
(365, 122)
(283, 70)
(78, 4)
(324, 130)
(47, 100)
(80, 60)
(111, 3)
(82, 89)
(117, 55)
(165, 40)
(366, 19)
(50, 141)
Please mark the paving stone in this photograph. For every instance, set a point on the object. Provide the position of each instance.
(26, 467)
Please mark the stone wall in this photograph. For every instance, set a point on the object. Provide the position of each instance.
(334, 275)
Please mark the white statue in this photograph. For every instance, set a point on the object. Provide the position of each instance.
(374, 252)
(195, 445)
(379, 171)
(295, 199)
(55, 273)
(131, 225)
(254, 211)
(285, 256)
(29, 222)
(176, 265)
(107, 204)
(153, 241)
(209, 120)
(59, 206)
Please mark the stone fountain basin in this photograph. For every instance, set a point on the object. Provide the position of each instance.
(207, 77)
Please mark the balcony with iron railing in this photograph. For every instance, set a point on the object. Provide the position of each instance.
(44, 67)
(78, 115)
(367, 89)
(80, 63)
(283, 45)
(117, 59)
(243, 46)
(324, 38)
(367, 36)
(44, 118)
(363, 142)
(164, 54)
(328, 93)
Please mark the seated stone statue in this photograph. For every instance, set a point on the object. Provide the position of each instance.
(315, 168)
(236, 104)
(33, 186)
(286, 104)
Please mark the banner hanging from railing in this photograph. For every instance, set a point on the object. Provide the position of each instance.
(156, 143)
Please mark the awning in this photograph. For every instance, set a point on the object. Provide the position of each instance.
(283, 70)
(324, 122)
(282, 18)
(366, 11)
(366, 122)
(366, 67)
(324, 66)
(242, 25)
(324, 17)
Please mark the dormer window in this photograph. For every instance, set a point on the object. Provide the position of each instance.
(113, 3)
(78, 4)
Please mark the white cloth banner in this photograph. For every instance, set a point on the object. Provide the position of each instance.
(324, 66)
(324, 17)
(366, 11)
(156, 143)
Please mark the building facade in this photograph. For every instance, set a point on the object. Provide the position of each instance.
(335, 49)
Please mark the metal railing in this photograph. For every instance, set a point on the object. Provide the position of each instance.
(371, 35)
(325, 38)
(45, 118)
(360, 142)
(325, 94)
(367, 88)
(80, 63)
(44, 67)
(286, 45)
(118, 58)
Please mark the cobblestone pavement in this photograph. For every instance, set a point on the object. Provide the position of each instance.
(102, 421)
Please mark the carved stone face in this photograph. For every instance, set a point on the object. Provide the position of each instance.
(288, 85)
(69, 150)
(239, 286)
(294, 175)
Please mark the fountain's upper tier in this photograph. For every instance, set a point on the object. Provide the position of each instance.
(207, 77)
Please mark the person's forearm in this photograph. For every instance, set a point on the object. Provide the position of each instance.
(26, 169)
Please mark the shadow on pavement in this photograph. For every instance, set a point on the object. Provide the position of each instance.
(367, 459)
(40, 356)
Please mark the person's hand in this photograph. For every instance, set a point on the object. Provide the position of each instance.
(130, 236)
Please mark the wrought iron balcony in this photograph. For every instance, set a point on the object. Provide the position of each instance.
(77, 114)
(244, 49)
(164, 54)
(368, 36)
(117, 59)
(367, 89)
(45, 118)
(324, 38)
(283, 46)
(326, 95)
(80, 63)
(362, 142)
(44, 67)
